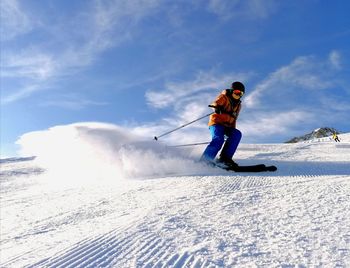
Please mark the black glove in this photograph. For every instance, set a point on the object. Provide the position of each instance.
(217, 109)
(220, 110)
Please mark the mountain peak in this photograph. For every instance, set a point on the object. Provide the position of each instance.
(315, 134)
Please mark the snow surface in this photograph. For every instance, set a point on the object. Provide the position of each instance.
(113, 201)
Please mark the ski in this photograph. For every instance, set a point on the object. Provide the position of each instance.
(250, 168)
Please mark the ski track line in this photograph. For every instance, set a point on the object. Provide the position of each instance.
(178, 260)
(184, 259)
(109, 244)
(118, 254)
(252, 183)
(153, 252)
(107, 250)
(140, 247)
(157, 257)
(81, 248)
(154, 256)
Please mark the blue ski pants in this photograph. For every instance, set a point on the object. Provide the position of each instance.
(218, 133)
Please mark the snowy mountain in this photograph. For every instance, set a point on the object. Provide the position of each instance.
(324, 132)
(122, 211)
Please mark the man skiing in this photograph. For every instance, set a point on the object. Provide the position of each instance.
(335, 137)
(222, 124)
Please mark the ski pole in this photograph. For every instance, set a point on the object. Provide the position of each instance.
(191, 144)
(166, 133)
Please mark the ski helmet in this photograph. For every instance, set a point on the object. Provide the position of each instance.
(238, 85)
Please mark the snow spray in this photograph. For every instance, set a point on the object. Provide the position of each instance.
(97, 151)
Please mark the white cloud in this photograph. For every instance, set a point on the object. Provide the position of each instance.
(108, 23)
(32, 68)
(22, 93)
(335, 59)
(273, 123)
(242, 9)
(28, 64)
(179, 92)
(102, 25)
(305, 93)
(261, 9)
(73, 103)
(14, 21)
(222, 8)
(302, 76)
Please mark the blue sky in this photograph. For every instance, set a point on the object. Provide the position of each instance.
(150, 66)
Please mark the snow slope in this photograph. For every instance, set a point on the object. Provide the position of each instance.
(184, 216)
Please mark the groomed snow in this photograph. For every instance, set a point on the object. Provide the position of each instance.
(80, 208)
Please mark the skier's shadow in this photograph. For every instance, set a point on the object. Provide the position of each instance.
(308, 168)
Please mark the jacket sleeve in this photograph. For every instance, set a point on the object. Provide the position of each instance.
(226, 117)
(220, 101)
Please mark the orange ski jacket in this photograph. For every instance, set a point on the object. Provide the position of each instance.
(229, 109)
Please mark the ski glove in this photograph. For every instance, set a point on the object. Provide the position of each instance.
(220, 110)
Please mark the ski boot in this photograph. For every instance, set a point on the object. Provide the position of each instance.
(227, 163)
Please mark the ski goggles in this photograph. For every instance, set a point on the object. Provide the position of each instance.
(238, 92)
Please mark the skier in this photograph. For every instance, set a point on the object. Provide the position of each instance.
(335, 137)
(222, 123)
